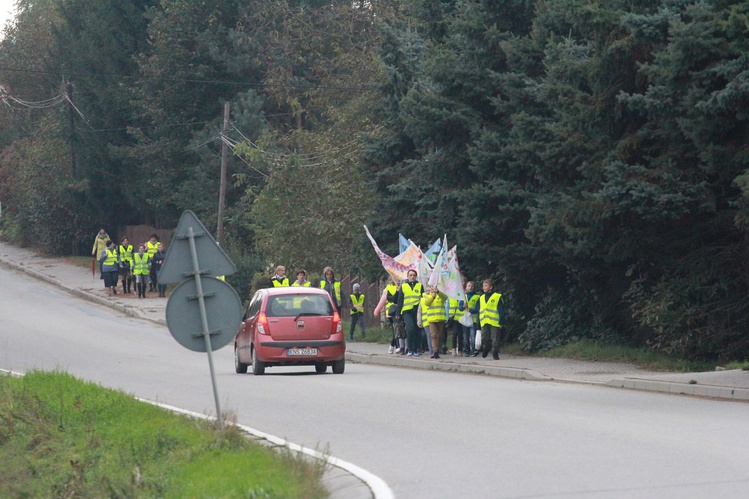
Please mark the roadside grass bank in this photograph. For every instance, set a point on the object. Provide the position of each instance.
(62, 437)
(593, 351)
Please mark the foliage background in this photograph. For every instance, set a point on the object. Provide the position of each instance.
(589, 156)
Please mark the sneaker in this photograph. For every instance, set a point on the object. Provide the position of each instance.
(466, 354)
(398, 350)
(484, 354)
(410, 354)
(436, 356)
(495, 356)
(417, 354)
(390, 350)
(476, 353)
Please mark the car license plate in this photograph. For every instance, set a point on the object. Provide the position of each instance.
(295, 352)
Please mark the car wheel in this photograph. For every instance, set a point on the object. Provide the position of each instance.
(257, 366)
(321, 368)
(339, 366)
(239, 366)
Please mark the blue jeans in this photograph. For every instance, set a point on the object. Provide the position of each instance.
(356, 318)
(469, 339)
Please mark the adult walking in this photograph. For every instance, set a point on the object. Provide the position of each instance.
(491, 316)
(140, 270)
(333, 286)
(100, 244)
(156, 262)
(152, 246)
(408, 305)
(389, 303)
(110, 266)
(280, 279)
(126, 257)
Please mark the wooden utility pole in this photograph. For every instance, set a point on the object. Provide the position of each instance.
(222, 188)
(71, 121)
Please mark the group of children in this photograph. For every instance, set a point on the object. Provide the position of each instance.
(141, 267)
(422, 319)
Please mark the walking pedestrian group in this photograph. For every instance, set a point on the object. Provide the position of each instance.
(426, 318)
(139, 268)
(420, 319)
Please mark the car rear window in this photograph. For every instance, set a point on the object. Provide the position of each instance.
(293, 305)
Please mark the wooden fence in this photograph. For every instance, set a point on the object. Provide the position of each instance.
(371, 291)
(139, 234)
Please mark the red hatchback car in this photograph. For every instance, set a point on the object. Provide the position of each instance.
(290, 326)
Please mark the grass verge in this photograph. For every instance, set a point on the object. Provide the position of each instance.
(61, 437)
(593, 351)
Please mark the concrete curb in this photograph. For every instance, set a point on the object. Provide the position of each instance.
(694, 389)
(445, 365)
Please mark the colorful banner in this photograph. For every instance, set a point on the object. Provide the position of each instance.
(403, 243)
(433, 251)
(446, 274)
(452, 284)
(396, 269)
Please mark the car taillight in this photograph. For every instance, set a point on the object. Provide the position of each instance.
(337, 327)
(262, 323)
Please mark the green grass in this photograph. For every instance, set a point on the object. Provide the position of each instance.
(744, 366)
(592, 351)
(61, 437)
(375, 334)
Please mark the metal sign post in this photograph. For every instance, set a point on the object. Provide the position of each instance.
(204, 322)
(219, 309)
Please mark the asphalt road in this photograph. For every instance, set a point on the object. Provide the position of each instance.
(427, 434)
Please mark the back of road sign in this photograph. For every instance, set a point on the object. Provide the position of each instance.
(178, 264)
(223, 311)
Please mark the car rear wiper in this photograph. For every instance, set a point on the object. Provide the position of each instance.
(305, 313)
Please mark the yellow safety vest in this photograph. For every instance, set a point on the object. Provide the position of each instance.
(411, 296)
(279, 284)
(111, 259)
(455, 311)
(140, 265)
(336, 287)
(152, 248)
(305, 285)
(424, 313)
(126, 253)
(358, 304)
(436, 309)
(488, 311)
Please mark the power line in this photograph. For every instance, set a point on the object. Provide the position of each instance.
(366, 87)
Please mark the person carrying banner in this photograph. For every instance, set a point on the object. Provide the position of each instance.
(437, 316)
(491, 317)
(408, 305)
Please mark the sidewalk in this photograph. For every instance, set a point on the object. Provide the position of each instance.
(732, 385)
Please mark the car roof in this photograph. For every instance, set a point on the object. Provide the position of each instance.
(294, 290)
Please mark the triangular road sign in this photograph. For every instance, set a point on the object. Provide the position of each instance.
(178, 262)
